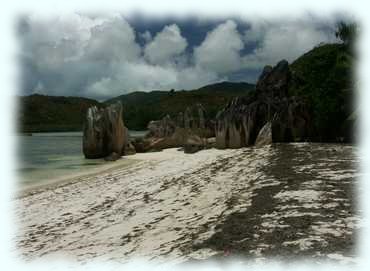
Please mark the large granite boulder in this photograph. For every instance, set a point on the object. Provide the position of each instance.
(116, 132)
(241, 121)
(104, 132)
(94, 139)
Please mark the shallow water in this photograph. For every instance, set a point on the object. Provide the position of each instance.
(46, 156)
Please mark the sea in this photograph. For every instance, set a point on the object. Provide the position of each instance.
(48, 156)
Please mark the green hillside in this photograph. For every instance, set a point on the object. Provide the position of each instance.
(40, 113)
(324, 76)
(142, 107)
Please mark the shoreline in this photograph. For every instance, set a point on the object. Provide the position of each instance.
(124, 161)
(173, 206)
(73, 178)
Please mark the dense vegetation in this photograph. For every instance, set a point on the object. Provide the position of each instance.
(40, 113)
(142, 107)
(324, 76)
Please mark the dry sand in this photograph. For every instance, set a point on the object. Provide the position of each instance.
(285, 201)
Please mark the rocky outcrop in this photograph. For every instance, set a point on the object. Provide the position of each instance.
(241, 121)
(264, 136)
(170, 133)
(104, 132)
(161, 128)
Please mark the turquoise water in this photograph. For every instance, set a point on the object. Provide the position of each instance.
(45, 156)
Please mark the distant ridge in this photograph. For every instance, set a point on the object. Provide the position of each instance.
(141, 107)
(42, 113)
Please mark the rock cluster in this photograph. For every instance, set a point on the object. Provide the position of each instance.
(104, 133)
(161, 128)
(170, 133)
(192, 119)
(281, 118)
(265, 116)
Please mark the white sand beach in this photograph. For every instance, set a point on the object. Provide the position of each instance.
(173, 206)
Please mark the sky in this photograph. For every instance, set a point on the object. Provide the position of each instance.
(103, 56)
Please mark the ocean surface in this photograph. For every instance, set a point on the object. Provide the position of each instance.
(46, 156)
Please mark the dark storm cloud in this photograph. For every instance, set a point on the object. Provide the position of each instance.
(105, 56)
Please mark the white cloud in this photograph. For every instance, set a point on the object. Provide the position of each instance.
(165, 45)
(113, 40)
(220, 51)
(99, 57)
(283, 40)
(143, 76)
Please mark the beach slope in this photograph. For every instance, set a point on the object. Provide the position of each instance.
(284, 201)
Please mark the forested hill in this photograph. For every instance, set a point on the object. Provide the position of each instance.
(41, 113)
(142, 107)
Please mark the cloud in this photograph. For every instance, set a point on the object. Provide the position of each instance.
(165, 45)
(101, 56)
(220, 51)
(283, 40)
(146, 36)
(112, 41)
(141, 76)
(75, 52)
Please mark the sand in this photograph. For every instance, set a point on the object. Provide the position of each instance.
(283, 201)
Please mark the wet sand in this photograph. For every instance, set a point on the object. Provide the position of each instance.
(285, 202)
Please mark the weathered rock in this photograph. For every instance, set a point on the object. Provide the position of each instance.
(291, 121)
(94, 138)
(129, 149)
(210, 142)
(273, 82)
(180, 120)
(116, 132)
(104, 132)
(264, 136)
(188, 118)
(161, 128)
(193, 144)
(158, 144)
(153, 144)
(112, 157)
(240, 122)
(201, 114)
(168, 133)
(141, 144)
